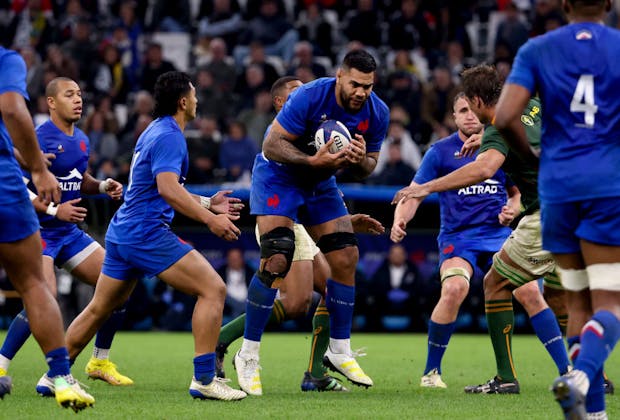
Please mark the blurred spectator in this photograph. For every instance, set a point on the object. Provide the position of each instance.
(258, 118)
(304, 74)
(170, 16)
(32, 24)
(512, 31)
(34, 75)
(143, 104)
(237, 274)
(154, 66)
(249, 84)
(409, 27)
(404, 89)
(111, 78)
(271, 28)
(409, 150)
(545, 10)
(363, 24)
(395, 286)
(107, 169)
(304, 57)
(204, 152)
(455, 60)
(126, 34)
(221, 66)
(318, 26)
(220, 19)
(80, 48)
(210, 101)
(60, 63)
(437, 101)
(101, 126)
(394, 170)
(68, 20)
(126, 146)
(237, 152)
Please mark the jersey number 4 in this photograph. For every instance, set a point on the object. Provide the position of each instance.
(583, 99)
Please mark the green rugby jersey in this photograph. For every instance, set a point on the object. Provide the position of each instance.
(524, 175)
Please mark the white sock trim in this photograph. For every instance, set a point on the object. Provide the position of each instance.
(101, 354)
(4, 362)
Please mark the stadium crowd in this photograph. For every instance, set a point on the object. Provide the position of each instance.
(235, 49)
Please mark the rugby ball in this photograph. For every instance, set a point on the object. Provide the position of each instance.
(332, 129)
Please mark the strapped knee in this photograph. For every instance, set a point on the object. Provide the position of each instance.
(279, 241)
(336, 241)
(453, 272)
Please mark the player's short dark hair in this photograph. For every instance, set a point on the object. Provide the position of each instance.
(169, 88)
(51, 89)
(460, 95)
(482, 81)
(359, 60)
(278, 85)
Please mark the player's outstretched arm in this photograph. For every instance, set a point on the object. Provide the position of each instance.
(484, 167)
(221, 203)
(21, 130)
(363, 223)
(181, 200)
(404, 212)
(112, 188)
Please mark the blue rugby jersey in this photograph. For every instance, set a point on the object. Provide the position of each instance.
(12, 79)
(315, 102)
(160, 148)
(573, 70)
(69, 165)
(469, 213)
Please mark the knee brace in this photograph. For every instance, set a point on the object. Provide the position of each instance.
(281, 240)
(336, 241)
(453, 272)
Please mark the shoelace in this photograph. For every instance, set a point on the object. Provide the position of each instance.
(72, 381)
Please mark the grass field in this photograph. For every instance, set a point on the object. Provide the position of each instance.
(160, 364)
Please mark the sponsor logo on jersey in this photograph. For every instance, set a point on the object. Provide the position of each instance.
(583, 35)
(67, 185)
(489, 186)
(60, 149)
(527, 120)
(273, 201)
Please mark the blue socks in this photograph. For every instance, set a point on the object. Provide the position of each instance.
(16, 336)
(204, 368)
(105, 335)
(548, 332)
(258, 308)
(598, 338)
(58, 361)
(438, 338)
(340, 302)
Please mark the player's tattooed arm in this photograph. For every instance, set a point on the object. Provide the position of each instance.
(278, 146)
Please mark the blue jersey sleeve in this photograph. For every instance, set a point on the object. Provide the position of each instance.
(294, 114)
(13, 74)
(380, 124)
(168, 154)
(523, 71)
(429, 168)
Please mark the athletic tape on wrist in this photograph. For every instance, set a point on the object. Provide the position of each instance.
(205, 202)
(103, 186)
(52, 209)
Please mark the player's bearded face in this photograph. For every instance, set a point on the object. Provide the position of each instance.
(67, 103)
(353, 88)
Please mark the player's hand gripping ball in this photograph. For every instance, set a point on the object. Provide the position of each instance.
(332, 129)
